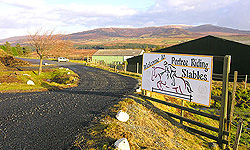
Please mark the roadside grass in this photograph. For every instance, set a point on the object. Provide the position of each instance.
(77, 61)
(51, 79)
(122, 72)
(145, 129)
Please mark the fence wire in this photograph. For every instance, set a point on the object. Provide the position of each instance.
(241, 108)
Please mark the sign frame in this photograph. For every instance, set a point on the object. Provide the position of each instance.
(179, 76)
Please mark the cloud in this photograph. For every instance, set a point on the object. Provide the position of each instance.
(187, 5)
(94, 10)
(16, 15)
(24, 3)
(29, 15)
(236, 15)
(66, 14)
(230, 13)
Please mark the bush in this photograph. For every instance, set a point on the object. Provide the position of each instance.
(63, 76)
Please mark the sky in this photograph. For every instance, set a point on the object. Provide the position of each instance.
(22, 17)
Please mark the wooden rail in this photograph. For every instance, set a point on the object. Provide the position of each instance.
(214, 117)
(225, 110)
(138, 96)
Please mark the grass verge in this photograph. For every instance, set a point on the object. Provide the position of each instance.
(145, 129)
(50, 79)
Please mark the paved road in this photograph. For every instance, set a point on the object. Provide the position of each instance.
(51, 120)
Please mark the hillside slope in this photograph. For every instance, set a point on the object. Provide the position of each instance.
(212, 28)
(7, 61)
(129, 32)
(2, 54)
(146, 32)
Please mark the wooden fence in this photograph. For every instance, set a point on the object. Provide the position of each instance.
(227, 102)
(226, 111)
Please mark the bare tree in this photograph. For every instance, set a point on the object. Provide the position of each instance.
(46, 41)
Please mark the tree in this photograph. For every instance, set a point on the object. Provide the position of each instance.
(45, 41)
(146, 49)
(14, 51)
(8, 48)
(158, 47)
(19, 49)
(26, 50)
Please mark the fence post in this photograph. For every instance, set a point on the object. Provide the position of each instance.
(246, 82)
(115, 66)
(237, 137)
(143, 92)
(182, 111)
(137, 67)
(125, 67)
(224, 100)
(231, 106)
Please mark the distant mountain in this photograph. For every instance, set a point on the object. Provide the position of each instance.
(163, 31)
(14, 40)
(212, 28)
(178, 26)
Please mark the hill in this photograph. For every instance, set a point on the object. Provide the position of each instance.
(168, 31)
(212, 28)
(16, 39)
(164, 31)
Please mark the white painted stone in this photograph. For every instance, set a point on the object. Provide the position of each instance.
(138, 90)
(30, 82)
(26, 75)
(67, 69)
(122, 144)
(213, 146)
(46, 64)
(122, 116)
(68, 72)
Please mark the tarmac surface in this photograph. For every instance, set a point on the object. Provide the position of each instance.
(52, 119)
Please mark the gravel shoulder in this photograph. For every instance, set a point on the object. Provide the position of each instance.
(51, 120)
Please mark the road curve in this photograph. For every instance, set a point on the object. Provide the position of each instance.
(51, 120)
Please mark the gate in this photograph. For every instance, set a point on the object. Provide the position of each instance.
(226, 111)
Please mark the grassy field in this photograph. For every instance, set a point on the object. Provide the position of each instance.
(83, 53)
(164, 41)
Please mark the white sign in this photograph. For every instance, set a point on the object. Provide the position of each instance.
(187, 77)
